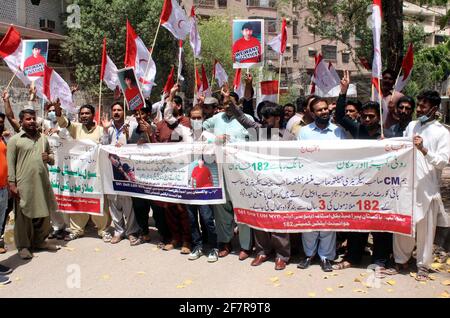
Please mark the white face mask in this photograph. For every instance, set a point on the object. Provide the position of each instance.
(51, 116)
(197, 124)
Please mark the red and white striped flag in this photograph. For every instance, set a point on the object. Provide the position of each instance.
(174, 19)
(53, 86)
(278, 43)
(269, 91)
(108, 71)
(376, 64)
(219, 73)
(238, 85)
(11, 51)
(138, 56)
(194, 35)
(407, 66)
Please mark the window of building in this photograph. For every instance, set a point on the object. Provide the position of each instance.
(438, 39)
(345, 57)
(312, 52)
(222, 3)
(295, 27)
(295, 52)
(329, 52)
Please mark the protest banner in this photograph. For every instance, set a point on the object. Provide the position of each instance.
(248, 43)
(74, 177)
(301, 186)
(175, 172)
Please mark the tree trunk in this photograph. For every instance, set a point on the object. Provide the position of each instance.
(393, 34)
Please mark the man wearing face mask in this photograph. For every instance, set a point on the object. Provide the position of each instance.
(404, 109)
(320, 242)
(367, 128)
(432, 140)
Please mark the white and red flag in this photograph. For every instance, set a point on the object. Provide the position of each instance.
(138, 56)
(198, 80)
(238, 84)
(334, 74)
(322, 76)
(52, 86)
(108, 71)
(174, 19)
(407, 66)
(278, 43)
(194, 35)
(219, 73)
(11, 52)
(269, 91)
(376, 32)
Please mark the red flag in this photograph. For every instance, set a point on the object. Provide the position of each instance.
(407, 66)
(54, 87)
(238, 85)
(205, 86)
(170, 82)
(102, 70)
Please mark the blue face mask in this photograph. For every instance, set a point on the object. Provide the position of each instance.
(51, 116)
(424, 118)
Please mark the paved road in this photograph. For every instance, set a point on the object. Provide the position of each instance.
(145, 271)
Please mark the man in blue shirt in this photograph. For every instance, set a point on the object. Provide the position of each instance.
(320, 242)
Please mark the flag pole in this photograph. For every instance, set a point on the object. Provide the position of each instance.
(381, 108)
(395, 85)
(100, 101)
(279, 78)
(153, 45)
(11, 80)
(195, 78)
(212, 77)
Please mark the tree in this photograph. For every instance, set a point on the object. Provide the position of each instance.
(431, 68)
(215, 34)
(107, 18)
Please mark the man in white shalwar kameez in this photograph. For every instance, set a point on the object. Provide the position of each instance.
(432, 141)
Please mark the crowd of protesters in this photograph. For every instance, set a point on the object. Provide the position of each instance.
(199, 230)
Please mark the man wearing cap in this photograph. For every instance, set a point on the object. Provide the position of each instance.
(209, 107)
(34, 65)
(248, 48)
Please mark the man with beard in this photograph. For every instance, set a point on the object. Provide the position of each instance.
(116, 132)
(367, 128)
(85, 129)
(28, 155)
(320, 242)
(404, 109)
(265, 242)
(432, 141)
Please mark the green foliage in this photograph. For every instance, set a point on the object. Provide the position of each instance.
(107, 18)
(416, 35)
(431, 67)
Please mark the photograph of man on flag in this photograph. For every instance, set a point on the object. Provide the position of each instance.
(130, 88)
(248, 43)
(34, 58)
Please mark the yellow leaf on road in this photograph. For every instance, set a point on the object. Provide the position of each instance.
(391, 282)
(69, 248)
(412, 274)
(445, 294)
(446, 282)
(357, 280)
(329, 289)
(436, 265)
(340, 286)
(180, 286)
(334, 274)
(311, 294)
(274, 279)
(276, 285)
(390, 290)
(106, 277)
(363, 274)
(141, 273)
(289, 273)
(432, 277)
(187, 282)
(358, 290)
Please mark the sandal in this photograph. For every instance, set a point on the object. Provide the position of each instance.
(107, 237)
(134, 240)
(422, 274)
(342, 265)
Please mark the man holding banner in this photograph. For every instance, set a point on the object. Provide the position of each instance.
(85, 129)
